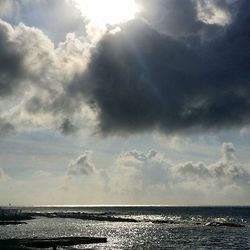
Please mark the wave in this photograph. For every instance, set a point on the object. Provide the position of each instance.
(225, 224)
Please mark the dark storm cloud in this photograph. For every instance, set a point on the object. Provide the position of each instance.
(175, 18)
(141, 79)
(11, 62)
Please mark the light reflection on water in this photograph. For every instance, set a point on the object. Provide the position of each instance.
(134, 235)
(188, 231)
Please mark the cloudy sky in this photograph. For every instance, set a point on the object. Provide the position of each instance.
(125, 102)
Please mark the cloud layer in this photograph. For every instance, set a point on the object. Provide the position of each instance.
(141, 79)
(137, 177)
(225, 181)
(181, 66)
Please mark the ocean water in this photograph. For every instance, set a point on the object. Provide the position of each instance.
(156, 227)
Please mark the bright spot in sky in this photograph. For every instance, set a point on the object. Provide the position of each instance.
(104, 12)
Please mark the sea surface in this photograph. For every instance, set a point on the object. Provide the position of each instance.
(154, 227)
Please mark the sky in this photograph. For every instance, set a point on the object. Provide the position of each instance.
(134, 102)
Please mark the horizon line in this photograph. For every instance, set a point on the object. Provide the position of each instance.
(125, 205)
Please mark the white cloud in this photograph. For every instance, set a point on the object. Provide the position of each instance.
(3, 176)
(151, 176)
(137, 177)
(41, 99)
(210, 12)
(83, 165)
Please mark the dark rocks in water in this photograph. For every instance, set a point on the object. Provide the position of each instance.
(85, 216)
(225, 224)
(13, 214)
(163, 221)
(5, 223)
(50, 242)
(116, 219)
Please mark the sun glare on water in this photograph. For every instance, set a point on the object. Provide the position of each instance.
(104, 12)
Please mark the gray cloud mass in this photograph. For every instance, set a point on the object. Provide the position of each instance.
(67, 127)
(141, 79)
(6, 128)
(11, 62)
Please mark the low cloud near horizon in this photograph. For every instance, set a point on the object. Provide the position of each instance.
(136, 177)
(144, 177)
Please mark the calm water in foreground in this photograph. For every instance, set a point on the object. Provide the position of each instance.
(159, 227)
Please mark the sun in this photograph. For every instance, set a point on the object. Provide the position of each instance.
(107, 12)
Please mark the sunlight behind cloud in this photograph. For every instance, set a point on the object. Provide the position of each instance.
(107, 12)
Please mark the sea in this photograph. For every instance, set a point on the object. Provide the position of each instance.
(152, 227)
